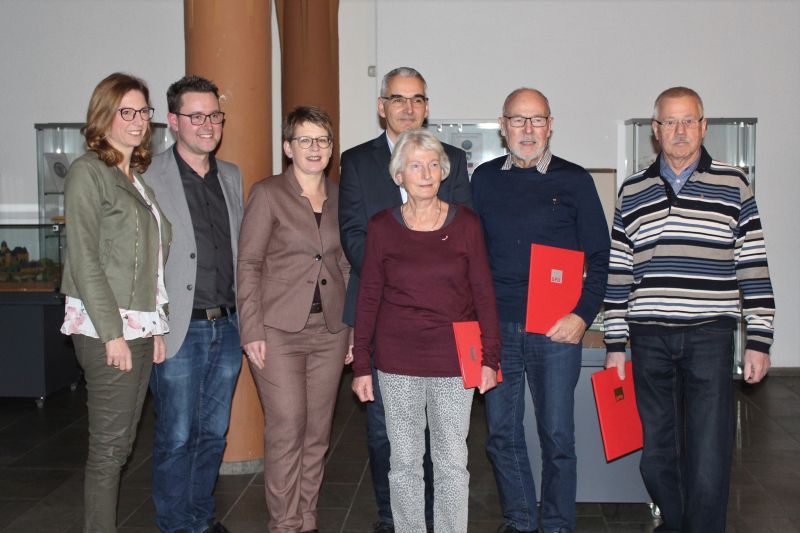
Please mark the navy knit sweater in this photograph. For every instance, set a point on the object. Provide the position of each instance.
(519, 207)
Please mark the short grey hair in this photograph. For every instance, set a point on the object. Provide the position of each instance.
(406, 72)
(677, 92)
(417, 138)
(515, 92)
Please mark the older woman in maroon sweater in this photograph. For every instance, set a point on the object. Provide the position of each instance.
(425, 267)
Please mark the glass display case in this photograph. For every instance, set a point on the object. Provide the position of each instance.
(31, 257)
(480, 139)
(36, 358)
(57, 146)
(728, 140)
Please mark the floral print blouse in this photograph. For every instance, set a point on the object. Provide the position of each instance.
(135, 324)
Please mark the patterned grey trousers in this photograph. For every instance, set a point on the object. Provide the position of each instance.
(448, 406)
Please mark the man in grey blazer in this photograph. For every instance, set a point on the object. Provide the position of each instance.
(193, 388)
(366, 188)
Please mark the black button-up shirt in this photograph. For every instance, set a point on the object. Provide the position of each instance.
(212, 235)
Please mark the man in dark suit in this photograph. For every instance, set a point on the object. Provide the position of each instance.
(366, 188)
(192, 389)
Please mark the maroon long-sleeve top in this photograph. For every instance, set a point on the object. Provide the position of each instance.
(414, 285)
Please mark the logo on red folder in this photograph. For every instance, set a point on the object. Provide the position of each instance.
(556, 276)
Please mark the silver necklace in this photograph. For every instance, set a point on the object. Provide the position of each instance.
(435, 222)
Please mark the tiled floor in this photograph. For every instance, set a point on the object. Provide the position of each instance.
(42, 453)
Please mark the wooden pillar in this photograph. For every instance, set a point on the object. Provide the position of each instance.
(230, 43)
(309, 34)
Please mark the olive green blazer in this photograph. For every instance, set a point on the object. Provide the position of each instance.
(112, 244)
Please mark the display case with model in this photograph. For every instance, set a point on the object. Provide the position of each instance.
(36, 358)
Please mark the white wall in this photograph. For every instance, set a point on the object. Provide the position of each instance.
(53, 54)
(358, 92)
(602, 61)
(599, 61)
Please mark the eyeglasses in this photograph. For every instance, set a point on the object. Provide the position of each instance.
(519, 122)
(306, 142)
(672, 123)
(129, 113)
(398, 99)
(198, 119)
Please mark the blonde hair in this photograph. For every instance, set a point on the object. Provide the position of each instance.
(103, 105)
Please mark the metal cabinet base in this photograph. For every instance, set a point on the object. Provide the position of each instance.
(36, 358)
(598, 481)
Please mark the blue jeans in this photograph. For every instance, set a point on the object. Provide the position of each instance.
(379, 452)
(552, 370)
(192, 392)
(684, 393)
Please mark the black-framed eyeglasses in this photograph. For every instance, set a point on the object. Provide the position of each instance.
(306, 142)
(399, 99)
(672, 123)
(519, 121)
(198, 119)
(129, 113)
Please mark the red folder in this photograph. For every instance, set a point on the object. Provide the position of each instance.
(554, 286)
(620, 425)
(470, 353)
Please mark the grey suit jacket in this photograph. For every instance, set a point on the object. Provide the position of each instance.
(165, 180)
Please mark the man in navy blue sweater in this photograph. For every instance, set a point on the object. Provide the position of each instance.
(531, 196)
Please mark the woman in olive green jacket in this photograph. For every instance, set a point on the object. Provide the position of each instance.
(113, 279)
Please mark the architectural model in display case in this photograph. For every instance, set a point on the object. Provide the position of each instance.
(31, 257)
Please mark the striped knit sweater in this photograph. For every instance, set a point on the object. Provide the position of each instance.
(684, 260)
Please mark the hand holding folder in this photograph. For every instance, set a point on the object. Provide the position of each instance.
(620, 425)
(470, 353)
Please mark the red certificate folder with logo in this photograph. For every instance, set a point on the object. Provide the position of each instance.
(554, 286)
(620, 425)
(470, 353)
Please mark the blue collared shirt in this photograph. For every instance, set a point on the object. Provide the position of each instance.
(677, 181)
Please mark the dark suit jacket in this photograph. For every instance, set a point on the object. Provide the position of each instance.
(366, 188)
(282, 255)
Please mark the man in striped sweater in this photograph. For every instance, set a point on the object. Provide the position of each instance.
(686, 243)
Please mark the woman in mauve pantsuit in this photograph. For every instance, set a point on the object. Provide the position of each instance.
(292, 275)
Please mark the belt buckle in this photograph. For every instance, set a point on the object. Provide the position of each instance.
(213, 313)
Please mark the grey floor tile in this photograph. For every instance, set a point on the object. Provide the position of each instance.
(484, 506)
(346, 471)
(753, 502)
(235, 484)
(54, 456)
(46, 517)
(591, 524)
(336, 495)
(331, 520)
(42, 492)
(32, 483)
(626, 512)
(10, 510)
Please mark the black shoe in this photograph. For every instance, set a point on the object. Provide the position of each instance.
(383, 527)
